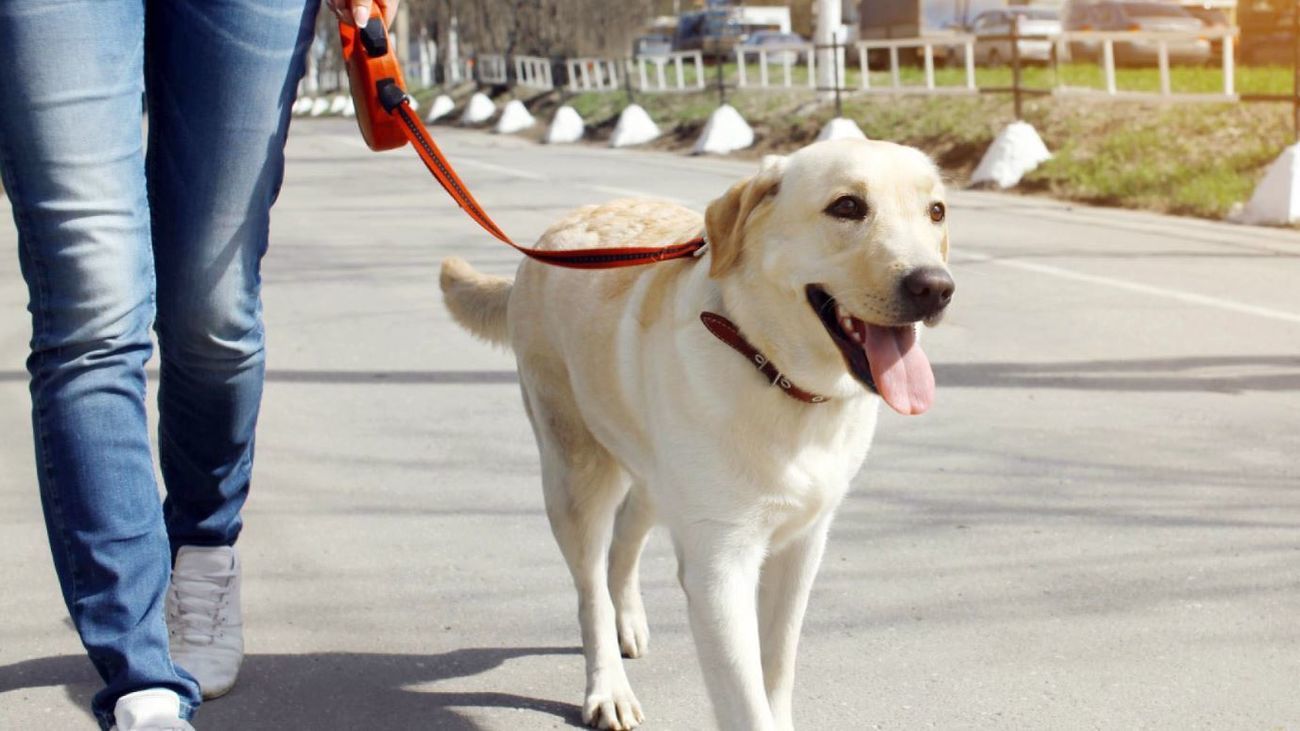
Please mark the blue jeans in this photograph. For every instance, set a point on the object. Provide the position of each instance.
(114, 239)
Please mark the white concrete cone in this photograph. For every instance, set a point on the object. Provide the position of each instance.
(566, 126)
(414, 103)
(319, 107)
(841, 128)
(479, 110)
(514, 118)
(302, 106)
(634, 128)
(1016, 151)
(1277, 198)
(725, 132)
(441, 107)
(338, 104)
(350, 108)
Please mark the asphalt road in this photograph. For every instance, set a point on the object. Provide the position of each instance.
(1097, 526)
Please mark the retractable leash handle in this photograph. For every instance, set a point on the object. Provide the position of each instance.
(387, 122)
(371, 61)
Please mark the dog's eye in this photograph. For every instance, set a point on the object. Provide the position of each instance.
(848, 206)
(937, 212)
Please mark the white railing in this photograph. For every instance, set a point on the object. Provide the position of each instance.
(1162, 41)
(659, 80)
(796, 65)
(492, 68)
(593, 74)
(534, 72)
(787, 58)
(926, 46)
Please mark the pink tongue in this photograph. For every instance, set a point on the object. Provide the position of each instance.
(900, 368)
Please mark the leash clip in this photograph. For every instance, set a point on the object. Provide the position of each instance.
(704, 246)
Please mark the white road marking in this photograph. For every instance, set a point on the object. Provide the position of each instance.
(500, 169)
(1173, 294)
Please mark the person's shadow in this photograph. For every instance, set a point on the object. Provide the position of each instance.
(330, 691)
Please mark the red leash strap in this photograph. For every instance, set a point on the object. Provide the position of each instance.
(387, 122)
(436, 162)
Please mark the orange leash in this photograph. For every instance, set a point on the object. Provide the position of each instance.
(387, 122)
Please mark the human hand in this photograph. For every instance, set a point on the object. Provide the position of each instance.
(358, 11)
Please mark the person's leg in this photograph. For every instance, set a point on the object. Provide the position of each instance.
(73, 165)
(221, 78)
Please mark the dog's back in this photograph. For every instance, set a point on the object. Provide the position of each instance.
(483, 304)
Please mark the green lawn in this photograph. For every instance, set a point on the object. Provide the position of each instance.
(1183, 79)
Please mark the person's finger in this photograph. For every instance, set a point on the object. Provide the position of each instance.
(361, 12)
(392, 10)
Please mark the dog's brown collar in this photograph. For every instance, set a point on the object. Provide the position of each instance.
(726, 331)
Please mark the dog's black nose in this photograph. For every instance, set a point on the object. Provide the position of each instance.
(928, 290)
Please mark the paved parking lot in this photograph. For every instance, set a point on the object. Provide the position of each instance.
(1097, 526)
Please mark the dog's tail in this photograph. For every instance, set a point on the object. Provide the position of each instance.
(478, 302)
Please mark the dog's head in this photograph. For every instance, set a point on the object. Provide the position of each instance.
(830, 258)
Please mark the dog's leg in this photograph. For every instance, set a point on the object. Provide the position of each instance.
(583, 486)
(635, 519)
(718, 565)
(784, 586)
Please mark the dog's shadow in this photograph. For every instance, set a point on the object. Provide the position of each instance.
(328, 691)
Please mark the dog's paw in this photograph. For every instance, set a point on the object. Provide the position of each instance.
(633, 629)
(612, 706)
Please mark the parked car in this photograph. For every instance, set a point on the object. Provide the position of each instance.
(919, 18)
(713, 32)
(652, 45)
(1266, 31)
(939, 20)
(1137, 16)
(990, 29)
(780, 47)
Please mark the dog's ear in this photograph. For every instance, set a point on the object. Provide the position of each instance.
(725, 218)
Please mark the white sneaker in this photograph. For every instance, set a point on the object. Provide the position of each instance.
(204, 621)
(156, 709)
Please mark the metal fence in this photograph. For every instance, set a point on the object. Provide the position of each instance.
(592, 74)
(1064, 42)
(491, 68)
(1162, 40)
(926, 47)
(794, 67)
(534, 72)
(787, 58)
(659, 80)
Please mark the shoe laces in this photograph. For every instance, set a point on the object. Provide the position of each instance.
(199, 605)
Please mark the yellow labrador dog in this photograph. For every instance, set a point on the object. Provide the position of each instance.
(731, 397)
